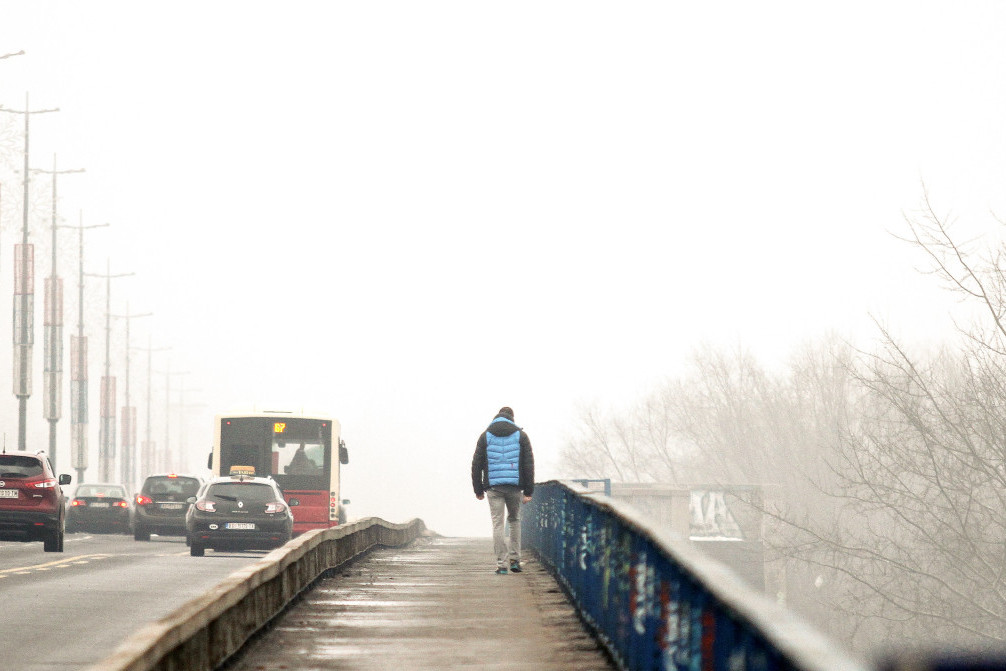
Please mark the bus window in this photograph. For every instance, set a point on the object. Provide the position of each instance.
(301, 458)
(244, 455)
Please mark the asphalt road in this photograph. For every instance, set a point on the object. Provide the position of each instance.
(71, 609)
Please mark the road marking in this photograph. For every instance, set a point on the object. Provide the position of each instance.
(25, 570)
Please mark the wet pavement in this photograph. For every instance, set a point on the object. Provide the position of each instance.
(436, 604)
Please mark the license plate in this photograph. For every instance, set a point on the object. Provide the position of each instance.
(239, 525)
(99, 505)
(8, 493)
(172, 506)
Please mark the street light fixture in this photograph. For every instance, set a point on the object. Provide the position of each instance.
(167, 461)
(53, 324)
(129, 415)
(147, 460)
(106, 433)
(24, 294)
(78, 366)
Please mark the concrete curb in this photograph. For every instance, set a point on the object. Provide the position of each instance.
(203, 633)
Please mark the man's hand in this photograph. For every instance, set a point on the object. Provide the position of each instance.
(480, 496)
(526, 498)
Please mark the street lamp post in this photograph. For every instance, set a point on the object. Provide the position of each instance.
(183, 409)
(146, 459)
(167, 416)
(24, 295)
(106, 433)
(78, 366)
(51, 395)
(129, 414)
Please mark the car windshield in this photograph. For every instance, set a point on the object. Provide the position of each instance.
(111, 491)
(19, 466)
(170, 486)
(243, 491)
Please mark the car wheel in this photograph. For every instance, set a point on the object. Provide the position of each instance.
(197, 550)
(141, 534)
(53, 541)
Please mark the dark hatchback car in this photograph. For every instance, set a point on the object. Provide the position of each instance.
(162, 503)
(31, 500)
(238, 513)
(99, 508)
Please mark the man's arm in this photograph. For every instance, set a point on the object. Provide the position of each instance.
(526, 466)
(479, 464)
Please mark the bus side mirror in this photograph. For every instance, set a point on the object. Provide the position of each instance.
(343, 453)
(209, 461)
(345, 502)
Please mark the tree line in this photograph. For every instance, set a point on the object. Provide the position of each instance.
(884, 468)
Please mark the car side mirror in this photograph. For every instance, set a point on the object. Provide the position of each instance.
(294, 502)
(191, 499)
(64, 479)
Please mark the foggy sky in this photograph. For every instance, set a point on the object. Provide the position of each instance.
(410, 214)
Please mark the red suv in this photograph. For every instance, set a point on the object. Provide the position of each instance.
(31, 500)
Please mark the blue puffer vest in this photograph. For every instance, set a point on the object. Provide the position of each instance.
(503, 453)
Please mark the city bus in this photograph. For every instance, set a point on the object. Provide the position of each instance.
(301, 453)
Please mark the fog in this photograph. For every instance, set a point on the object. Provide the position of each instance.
(410, 214)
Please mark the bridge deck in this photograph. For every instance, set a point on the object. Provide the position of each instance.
(436, 604)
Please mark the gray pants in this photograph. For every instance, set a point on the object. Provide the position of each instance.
(508, 496)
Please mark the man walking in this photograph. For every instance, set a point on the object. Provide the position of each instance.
(503, 470)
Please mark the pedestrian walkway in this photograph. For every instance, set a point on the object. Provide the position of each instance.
(436, 604)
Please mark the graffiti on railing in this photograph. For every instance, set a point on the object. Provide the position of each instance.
(642, 600)
(648, 607)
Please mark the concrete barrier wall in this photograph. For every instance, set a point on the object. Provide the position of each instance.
(207, 630)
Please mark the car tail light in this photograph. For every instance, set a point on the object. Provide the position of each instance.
(275, 507)
(78, 502)
(206, 506)
(142, 500)
(121, 504)
(45, 484)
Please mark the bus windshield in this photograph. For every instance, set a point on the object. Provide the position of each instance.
(295, 452)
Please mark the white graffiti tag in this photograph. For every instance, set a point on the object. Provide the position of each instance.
(644, 597)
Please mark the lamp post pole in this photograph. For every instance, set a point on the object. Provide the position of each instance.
(146, 460)
(183, 409)
(129, 415)
(78, 367)
(168, 465)
(53, 324)
(24, 295)
(106, 432)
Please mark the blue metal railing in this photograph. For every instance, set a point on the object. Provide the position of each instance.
(653, 601)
